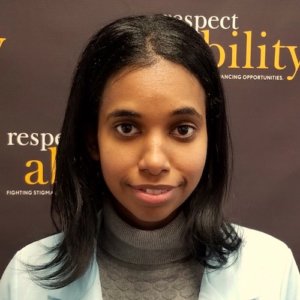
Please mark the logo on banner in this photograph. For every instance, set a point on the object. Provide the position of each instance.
(2, 40)
(38, 172)
(247, 54)
(35, 174)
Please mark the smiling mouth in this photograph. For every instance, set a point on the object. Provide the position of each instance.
(152, 191)
(154, 194)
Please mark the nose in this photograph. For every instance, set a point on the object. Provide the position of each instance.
(154, 158)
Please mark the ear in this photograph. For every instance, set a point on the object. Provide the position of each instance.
(92, 145)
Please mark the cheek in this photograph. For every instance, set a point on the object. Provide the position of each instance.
(111, 168)
(194, 168)
(115, 161)
(109, 160)
(192, 162)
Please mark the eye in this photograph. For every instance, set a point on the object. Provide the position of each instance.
(127, 129)
(184, 131)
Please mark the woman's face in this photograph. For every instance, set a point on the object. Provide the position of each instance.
(152, 141)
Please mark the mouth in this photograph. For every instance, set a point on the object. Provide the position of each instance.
(155, 191)
(154, 194)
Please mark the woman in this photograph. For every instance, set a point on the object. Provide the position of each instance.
(142, 172)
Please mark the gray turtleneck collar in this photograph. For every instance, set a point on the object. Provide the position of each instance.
(147, 247)
(146, 264)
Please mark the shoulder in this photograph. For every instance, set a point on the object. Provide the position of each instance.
(261, 245)
(16, 278)
(36, 253)
(260, 252)
(38, 250)
(262, 267)
(17, 281)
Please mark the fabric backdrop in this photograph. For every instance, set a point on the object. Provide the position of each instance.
(256, 46)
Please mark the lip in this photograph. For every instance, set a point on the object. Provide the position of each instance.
(153, 194)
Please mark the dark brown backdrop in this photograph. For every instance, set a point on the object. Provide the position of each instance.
(40, 43)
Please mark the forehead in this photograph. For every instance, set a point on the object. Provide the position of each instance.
(161, 86)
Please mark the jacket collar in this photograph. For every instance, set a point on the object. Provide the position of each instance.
(84, 288)
(207, 290)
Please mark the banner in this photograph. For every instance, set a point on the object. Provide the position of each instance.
(256, 46)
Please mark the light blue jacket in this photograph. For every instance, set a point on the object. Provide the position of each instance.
(263, 270)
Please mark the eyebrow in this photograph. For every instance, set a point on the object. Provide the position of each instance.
(187, 111)
(123, 113)
(119, 113)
